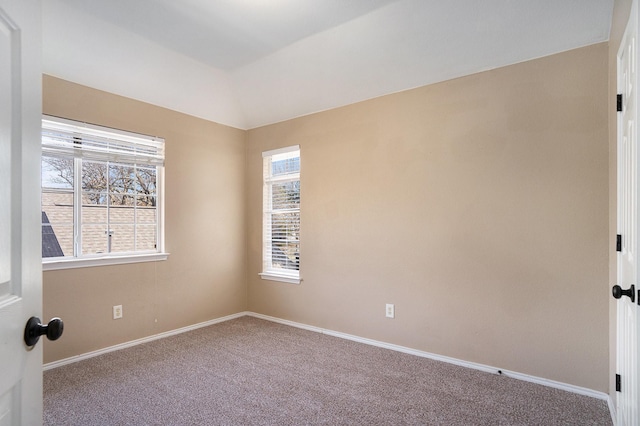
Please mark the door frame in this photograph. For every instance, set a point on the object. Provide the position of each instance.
(614, 400)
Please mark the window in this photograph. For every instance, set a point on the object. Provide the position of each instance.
(281, 215)
(101, 195)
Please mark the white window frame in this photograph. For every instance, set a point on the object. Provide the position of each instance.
(79, 260)
(268, 272)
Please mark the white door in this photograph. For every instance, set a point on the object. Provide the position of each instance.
(626, 289)
(20, 261)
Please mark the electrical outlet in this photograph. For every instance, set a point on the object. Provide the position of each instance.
(390, 310)
(117, 312)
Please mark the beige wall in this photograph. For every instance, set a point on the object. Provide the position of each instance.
(477, 206)
(204, 277)
(619, 22)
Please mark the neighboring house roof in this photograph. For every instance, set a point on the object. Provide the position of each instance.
(130, 233)
(50, 245)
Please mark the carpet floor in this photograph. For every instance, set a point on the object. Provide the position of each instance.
(249, 371)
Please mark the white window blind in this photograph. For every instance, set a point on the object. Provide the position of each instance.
(281, 214)
(65, 138)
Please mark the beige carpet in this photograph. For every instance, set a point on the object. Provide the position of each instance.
(253, 372)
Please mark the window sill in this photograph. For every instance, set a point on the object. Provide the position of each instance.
(52, 265)
(271, 276)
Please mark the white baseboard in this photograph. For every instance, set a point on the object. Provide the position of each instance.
(613, 410)
(514, 374)
(131, 343)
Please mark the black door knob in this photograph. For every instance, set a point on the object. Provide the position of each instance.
(34, 330)
(618, 292)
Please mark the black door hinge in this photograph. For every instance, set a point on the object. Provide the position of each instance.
(618, 242)
(619, 102)
(618, 383)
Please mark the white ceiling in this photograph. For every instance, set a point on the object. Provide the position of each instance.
(247, 63)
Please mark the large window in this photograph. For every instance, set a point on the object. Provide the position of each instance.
(281, 215)
(101, 195)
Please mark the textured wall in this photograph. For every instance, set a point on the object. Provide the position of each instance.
(478, 206)
(204, 277)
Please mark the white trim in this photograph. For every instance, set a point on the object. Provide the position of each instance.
(160, 230)
(87, 262)
(76, 358)
(287, 322)
(612, 410)
(291, 279)
(488, 369)
(281, 151)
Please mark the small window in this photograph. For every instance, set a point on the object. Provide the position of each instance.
(101, 194)
(281, 215)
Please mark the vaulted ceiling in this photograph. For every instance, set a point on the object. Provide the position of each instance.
(247, 63)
